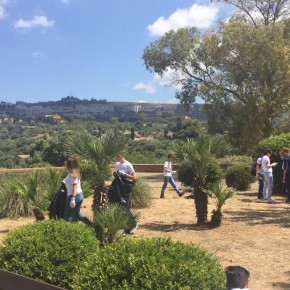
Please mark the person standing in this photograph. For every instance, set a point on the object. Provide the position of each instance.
(286, 171)
(260, 176)
(126, 170)
(75, 195)
(268, 176)
(167, 177)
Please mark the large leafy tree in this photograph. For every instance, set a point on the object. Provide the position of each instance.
(241, 69)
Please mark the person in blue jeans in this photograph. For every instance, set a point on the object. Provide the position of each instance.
(167, 176)
(75, 195)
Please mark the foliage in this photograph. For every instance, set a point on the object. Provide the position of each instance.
(49, 251)
(220, 195)
(234, 159)
(142, 193)
(151, 264)
(269, 12)
(242, 70)
(110, 222)
(239, 176)
(186, 174)
(276, 144)
(96, 153)
(51, 182)
(18, 196)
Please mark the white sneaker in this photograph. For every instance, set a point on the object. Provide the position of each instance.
(133, 230)
(271, 201)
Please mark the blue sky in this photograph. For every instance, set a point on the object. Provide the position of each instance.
(50, 49)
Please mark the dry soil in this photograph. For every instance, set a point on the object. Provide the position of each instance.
(254, 234)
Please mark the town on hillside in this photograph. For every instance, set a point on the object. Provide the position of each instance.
(71, 106)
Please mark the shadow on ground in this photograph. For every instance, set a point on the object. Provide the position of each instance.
(282, 285)
(161, 227)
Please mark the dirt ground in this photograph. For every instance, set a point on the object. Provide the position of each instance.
(254, 234)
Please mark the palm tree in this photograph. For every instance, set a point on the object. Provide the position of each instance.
(220, 194)
(96, 156)
(200, 153)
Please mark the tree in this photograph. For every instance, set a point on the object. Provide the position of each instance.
(242, 69)
(200, 153)
(269, 11)
(96, 156)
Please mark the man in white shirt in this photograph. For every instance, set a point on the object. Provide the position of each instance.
(237, 278)
(125, 169)
(268, 176)
(167, 176)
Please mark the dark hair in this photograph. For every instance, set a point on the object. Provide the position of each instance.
(237, 277)
(170, 155)
(267, 151)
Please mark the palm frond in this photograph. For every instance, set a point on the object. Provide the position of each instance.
(220, 193)
(111, 221)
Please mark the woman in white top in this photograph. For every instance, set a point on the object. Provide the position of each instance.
(75, 195)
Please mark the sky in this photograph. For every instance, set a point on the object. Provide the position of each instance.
(50, 49)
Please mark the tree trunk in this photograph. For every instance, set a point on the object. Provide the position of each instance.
(201, 201)
(101, 199)
(216, 219)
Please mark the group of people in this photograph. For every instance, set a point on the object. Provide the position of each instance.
(123, 169)
(264, 172)
(75, 197)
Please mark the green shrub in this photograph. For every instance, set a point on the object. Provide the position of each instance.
(142, 194)
(111, 221)
(276, 144)
(239, 176)
(186, 174)
(151, 264)
(19, 195)
(49, 251)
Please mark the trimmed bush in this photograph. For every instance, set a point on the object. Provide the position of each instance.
(239, 176)
(49, 251)
(186, 174)
(151, 264)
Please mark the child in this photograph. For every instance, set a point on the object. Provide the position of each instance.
(75, 195)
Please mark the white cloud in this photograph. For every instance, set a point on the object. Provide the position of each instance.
(66, 2)
(2, 8)
(37, 54)
(149, 88)
(200, 16)
(37, 21)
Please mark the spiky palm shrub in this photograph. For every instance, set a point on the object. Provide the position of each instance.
(221, 194)
(19, 195)
(200, 153)
(142, 194)
(96, 156)
(110, 222)
(51, 182)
